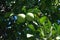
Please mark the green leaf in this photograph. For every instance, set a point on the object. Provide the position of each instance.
(42, 19)
(31, 27)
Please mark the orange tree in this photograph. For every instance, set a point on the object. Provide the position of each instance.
(29, 19)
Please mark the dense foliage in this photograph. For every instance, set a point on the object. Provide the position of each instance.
(29, 19)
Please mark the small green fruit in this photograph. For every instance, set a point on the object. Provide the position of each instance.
(20, 18)
(11, 14)
(30, 16)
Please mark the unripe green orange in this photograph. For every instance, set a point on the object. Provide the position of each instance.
(20, 18)
(30, 16)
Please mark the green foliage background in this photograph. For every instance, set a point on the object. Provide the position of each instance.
(46, 15)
